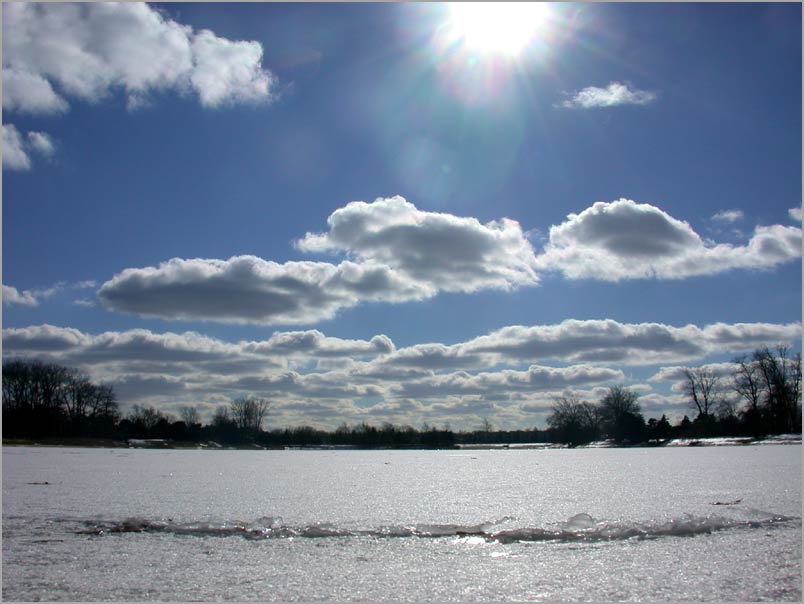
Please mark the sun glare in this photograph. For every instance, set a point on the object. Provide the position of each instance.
(496, 27)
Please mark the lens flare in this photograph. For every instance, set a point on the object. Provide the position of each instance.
(496, 27)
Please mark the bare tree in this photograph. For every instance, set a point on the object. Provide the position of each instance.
(747, 382)
(574, 421)
(781, 382)
(703, 389)
(248, 412)
(189, 415)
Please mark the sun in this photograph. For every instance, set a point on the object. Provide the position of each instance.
(504, 28)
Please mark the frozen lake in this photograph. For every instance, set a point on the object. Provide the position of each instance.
(719, 523)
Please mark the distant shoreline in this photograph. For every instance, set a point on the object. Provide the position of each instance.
(783, 439)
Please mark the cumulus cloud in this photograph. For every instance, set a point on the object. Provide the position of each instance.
(728, 215)
(396, 253)
(13, 296)
(795, 214)
(443, 251)
(629, 240)
(247, 289)
(612, 95)
(53, 51)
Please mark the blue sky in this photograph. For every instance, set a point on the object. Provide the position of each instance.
(400, 212)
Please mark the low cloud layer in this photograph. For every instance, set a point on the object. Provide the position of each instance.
(514, 371)
(612, 95)
(52, 52)
(628, 240)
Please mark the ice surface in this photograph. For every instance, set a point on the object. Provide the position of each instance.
(689, 523)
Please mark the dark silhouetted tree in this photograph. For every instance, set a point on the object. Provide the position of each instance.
(573, 421)
(620, 415)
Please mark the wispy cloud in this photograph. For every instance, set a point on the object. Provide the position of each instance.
(54, 51)
(616, 93)
(17, 149)
(728, 215)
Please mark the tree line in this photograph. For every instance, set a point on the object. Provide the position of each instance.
(48, 400)
(761, 397)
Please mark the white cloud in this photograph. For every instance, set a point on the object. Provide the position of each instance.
(30, 93)
(728, 215)
(15, 156)
(41, 143)
(315, 343)
(167, 369)
(51, 51)
(247, 289)
(502, 384)
(628, 240)
(396, 254)
(612, 95)
(17, 149)
(443, 251)
(12, 296)
(228, 72)
(795, 214)
(609, 341)
(676, 373)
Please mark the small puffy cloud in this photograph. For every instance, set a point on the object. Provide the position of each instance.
(228, 72)
(728, 215)
(628, 240)
(612, 95)
(51, 51)
(441, 251)
(17, 149)
(795, 214)
(13, 296)
(15, 156)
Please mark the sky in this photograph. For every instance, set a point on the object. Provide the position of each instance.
(407, 213)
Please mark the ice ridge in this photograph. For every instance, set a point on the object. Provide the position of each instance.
(581, 527)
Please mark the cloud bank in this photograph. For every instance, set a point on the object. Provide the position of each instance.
(86, 51)
(512, 372)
